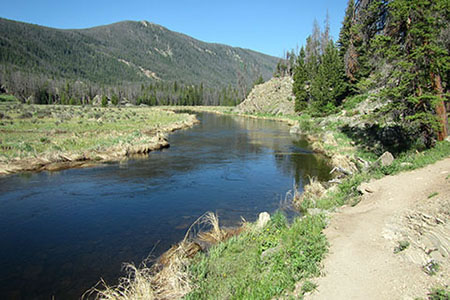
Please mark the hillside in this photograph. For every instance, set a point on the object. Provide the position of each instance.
(272, 97)
(133, 52)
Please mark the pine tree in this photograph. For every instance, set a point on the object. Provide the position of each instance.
(299, 86)
(421, 64)
(345, 33)
(114, 99)
(325, 35)
(348, 37)
(328, 87)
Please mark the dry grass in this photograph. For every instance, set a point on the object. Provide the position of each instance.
(168, 281)
(35, 136)
(215, 234)
(168, 278)
(311, 192)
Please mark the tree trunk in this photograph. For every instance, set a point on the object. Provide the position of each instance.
(440, 108)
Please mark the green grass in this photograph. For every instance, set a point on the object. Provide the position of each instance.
(32, 130)
(402, 245)
(352, 102)
(236, 269)
(8, 98)
(439, 294)
(433, 195)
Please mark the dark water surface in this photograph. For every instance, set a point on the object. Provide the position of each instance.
(61, 232)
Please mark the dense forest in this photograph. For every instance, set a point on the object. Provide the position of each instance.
(395, 52)
(46, 65)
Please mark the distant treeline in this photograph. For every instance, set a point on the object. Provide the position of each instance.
(37, 89)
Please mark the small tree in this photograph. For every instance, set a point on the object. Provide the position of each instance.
(114, 99)
(104, 101)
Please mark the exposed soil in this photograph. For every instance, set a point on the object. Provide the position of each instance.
(413, 207)
(272, 97)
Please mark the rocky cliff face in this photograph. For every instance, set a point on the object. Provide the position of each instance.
(273, 97)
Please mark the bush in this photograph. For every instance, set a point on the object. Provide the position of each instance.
(104, 101)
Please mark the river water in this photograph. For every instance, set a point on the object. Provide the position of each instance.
(60, 232)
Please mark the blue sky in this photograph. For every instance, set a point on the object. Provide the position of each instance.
(270, 27)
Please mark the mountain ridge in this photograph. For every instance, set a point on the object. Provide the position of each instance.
(127, 51)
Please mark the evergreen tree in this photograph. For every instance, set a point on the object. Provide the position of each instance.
(345, 33)
(421, 65)
(328, 87)
(258, 80)
(299, 86)
(104, 101)
(114, 99)
(348, 37)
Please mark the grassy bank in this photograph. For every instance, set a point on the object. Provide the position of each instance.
(238, 268)
(53, 133)
(261, 263)
(280, 259)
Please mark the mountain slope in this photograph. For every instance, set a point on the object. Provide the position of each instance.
(127, 52)
(272, 97)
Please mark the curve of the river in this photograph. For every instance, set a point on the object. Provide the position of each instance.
(61, 232)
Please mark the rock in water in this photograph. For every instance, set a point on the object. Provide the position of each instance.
(295, 129)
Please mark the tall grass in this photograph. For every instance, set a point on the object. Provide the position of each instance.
(260, 264)
(168, 277)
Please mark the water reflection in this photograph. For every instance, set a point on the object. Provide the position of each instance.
(62, 231)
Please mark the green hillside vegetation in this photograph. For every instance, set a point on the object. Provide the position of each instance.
(121, 57)
(396, 52)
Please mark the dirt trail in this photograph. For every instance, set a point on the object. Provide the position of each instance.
(362, 264)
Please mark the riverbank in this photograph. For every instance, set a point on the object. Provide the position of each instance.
(54, 137)
(280, 259)
(360, 166)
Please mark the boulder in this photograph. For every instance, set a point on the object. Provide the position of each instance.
(97, 101)
(386, 159)
(263, 219)
(295, 129)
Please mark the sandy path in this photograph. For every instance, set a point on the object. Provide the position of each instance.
(361, 263)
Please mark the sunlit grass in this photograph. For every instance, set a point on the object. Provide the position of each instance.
(260, 264)
(30, 130)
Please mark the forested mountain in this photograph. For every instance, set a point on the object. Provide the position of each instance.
(127, 54)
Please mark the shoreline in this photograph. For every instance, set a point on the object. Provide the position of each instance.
(89, 158)
(314, 140)
(326, 140)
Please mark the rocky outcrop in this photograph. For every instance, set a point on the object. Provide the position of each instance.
(272, 97)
